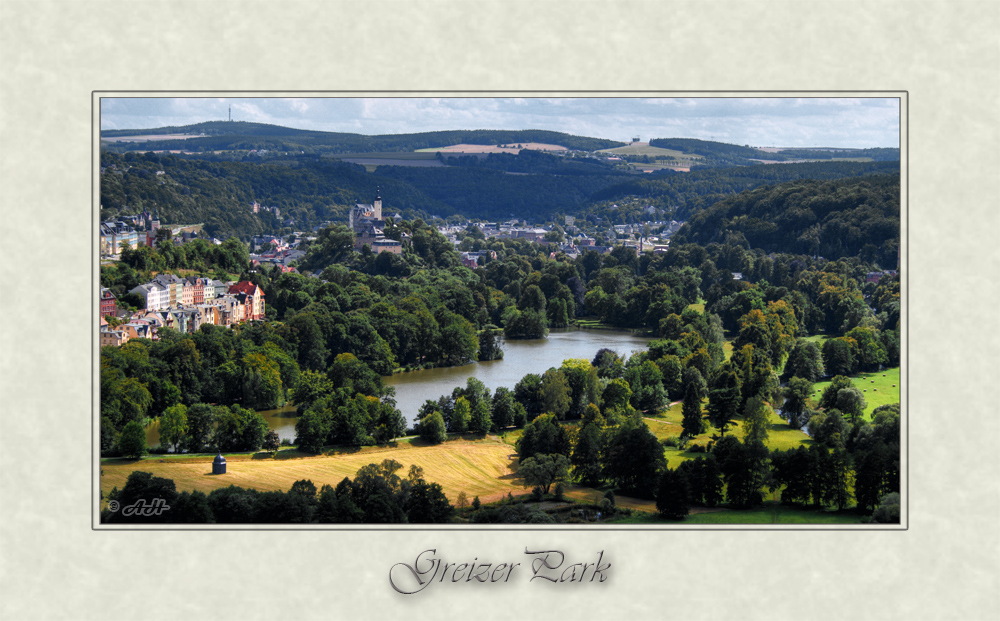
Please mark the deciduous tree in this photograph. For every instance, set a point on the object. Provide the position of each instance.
(544, 469)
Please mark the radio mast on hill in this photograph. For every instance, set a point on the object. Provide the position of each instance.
(230, 114)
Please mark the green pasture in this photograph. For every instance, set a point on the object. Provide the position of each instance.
(668, 425)
(879, 388)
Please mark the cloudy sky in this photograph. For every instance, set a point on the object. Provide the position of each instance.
(780, 122)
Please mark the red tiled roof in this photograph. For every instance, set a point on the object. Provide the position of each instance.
(244, 286)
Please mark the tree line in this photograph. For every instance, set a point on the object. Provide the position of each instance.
(378, 494)
(718, 154)
(242, 136)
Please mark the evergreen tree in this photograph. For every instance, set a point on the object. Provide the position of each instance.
(724, 399)
(586, 458)
(673, 496)
(462, 416)
(692, 423)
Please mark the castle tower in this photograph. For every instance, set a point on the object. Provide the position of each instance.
(377, 205)
(156, 220)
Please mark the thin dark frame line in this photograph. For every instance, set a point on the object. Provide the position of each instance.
(907, 303)
(790, 96)
(93, 378)
(96, 97)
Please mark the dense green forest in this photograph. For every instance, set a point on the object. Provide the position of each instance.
(680, 195)
(245, 136)
(850, 217)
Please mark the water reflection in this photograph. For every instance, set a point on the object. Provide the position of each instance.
(520, 358)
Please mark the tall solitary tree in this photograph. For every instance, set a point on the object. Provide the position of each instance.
(692, 423)
(544, 469)
(755, 421)
(724, 399)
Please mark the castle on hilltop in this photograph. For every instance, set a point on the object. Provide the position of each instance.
(369, 227)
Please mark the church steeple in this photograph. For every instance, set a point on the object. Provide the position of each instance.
(377, 205)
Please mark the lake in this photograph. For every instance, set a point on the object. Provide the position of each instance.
(520, 358)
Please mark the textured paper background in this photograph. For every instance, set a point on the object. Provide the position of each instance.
(54, 54)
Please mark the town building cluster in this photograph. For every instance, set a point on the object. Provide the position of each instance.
(183, 304)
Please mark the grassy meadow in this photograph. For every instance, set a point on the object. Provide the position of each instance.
(668, 425)
(879, 388)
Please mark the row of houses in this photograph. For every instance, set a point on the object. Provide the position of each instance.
(167, 291)
(183, 304)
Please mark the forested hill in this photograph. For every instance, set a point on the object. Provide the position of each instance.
(311, 191)
(244, 136)
(833, 219)
(219, 194)
(684, 194)
(723, 154)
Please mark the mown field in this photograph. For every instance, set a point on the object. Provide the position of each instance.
(643, 148)
(486, 148)
(665, 158)
(478, 467)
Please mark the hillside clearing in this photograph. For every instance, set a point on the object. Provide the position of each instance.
(487, 148)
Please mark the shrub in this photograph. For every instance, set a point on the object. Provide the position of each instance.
(607, 507)
(559, 490)
(132, 441)
(536, 494)
(888, 510)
